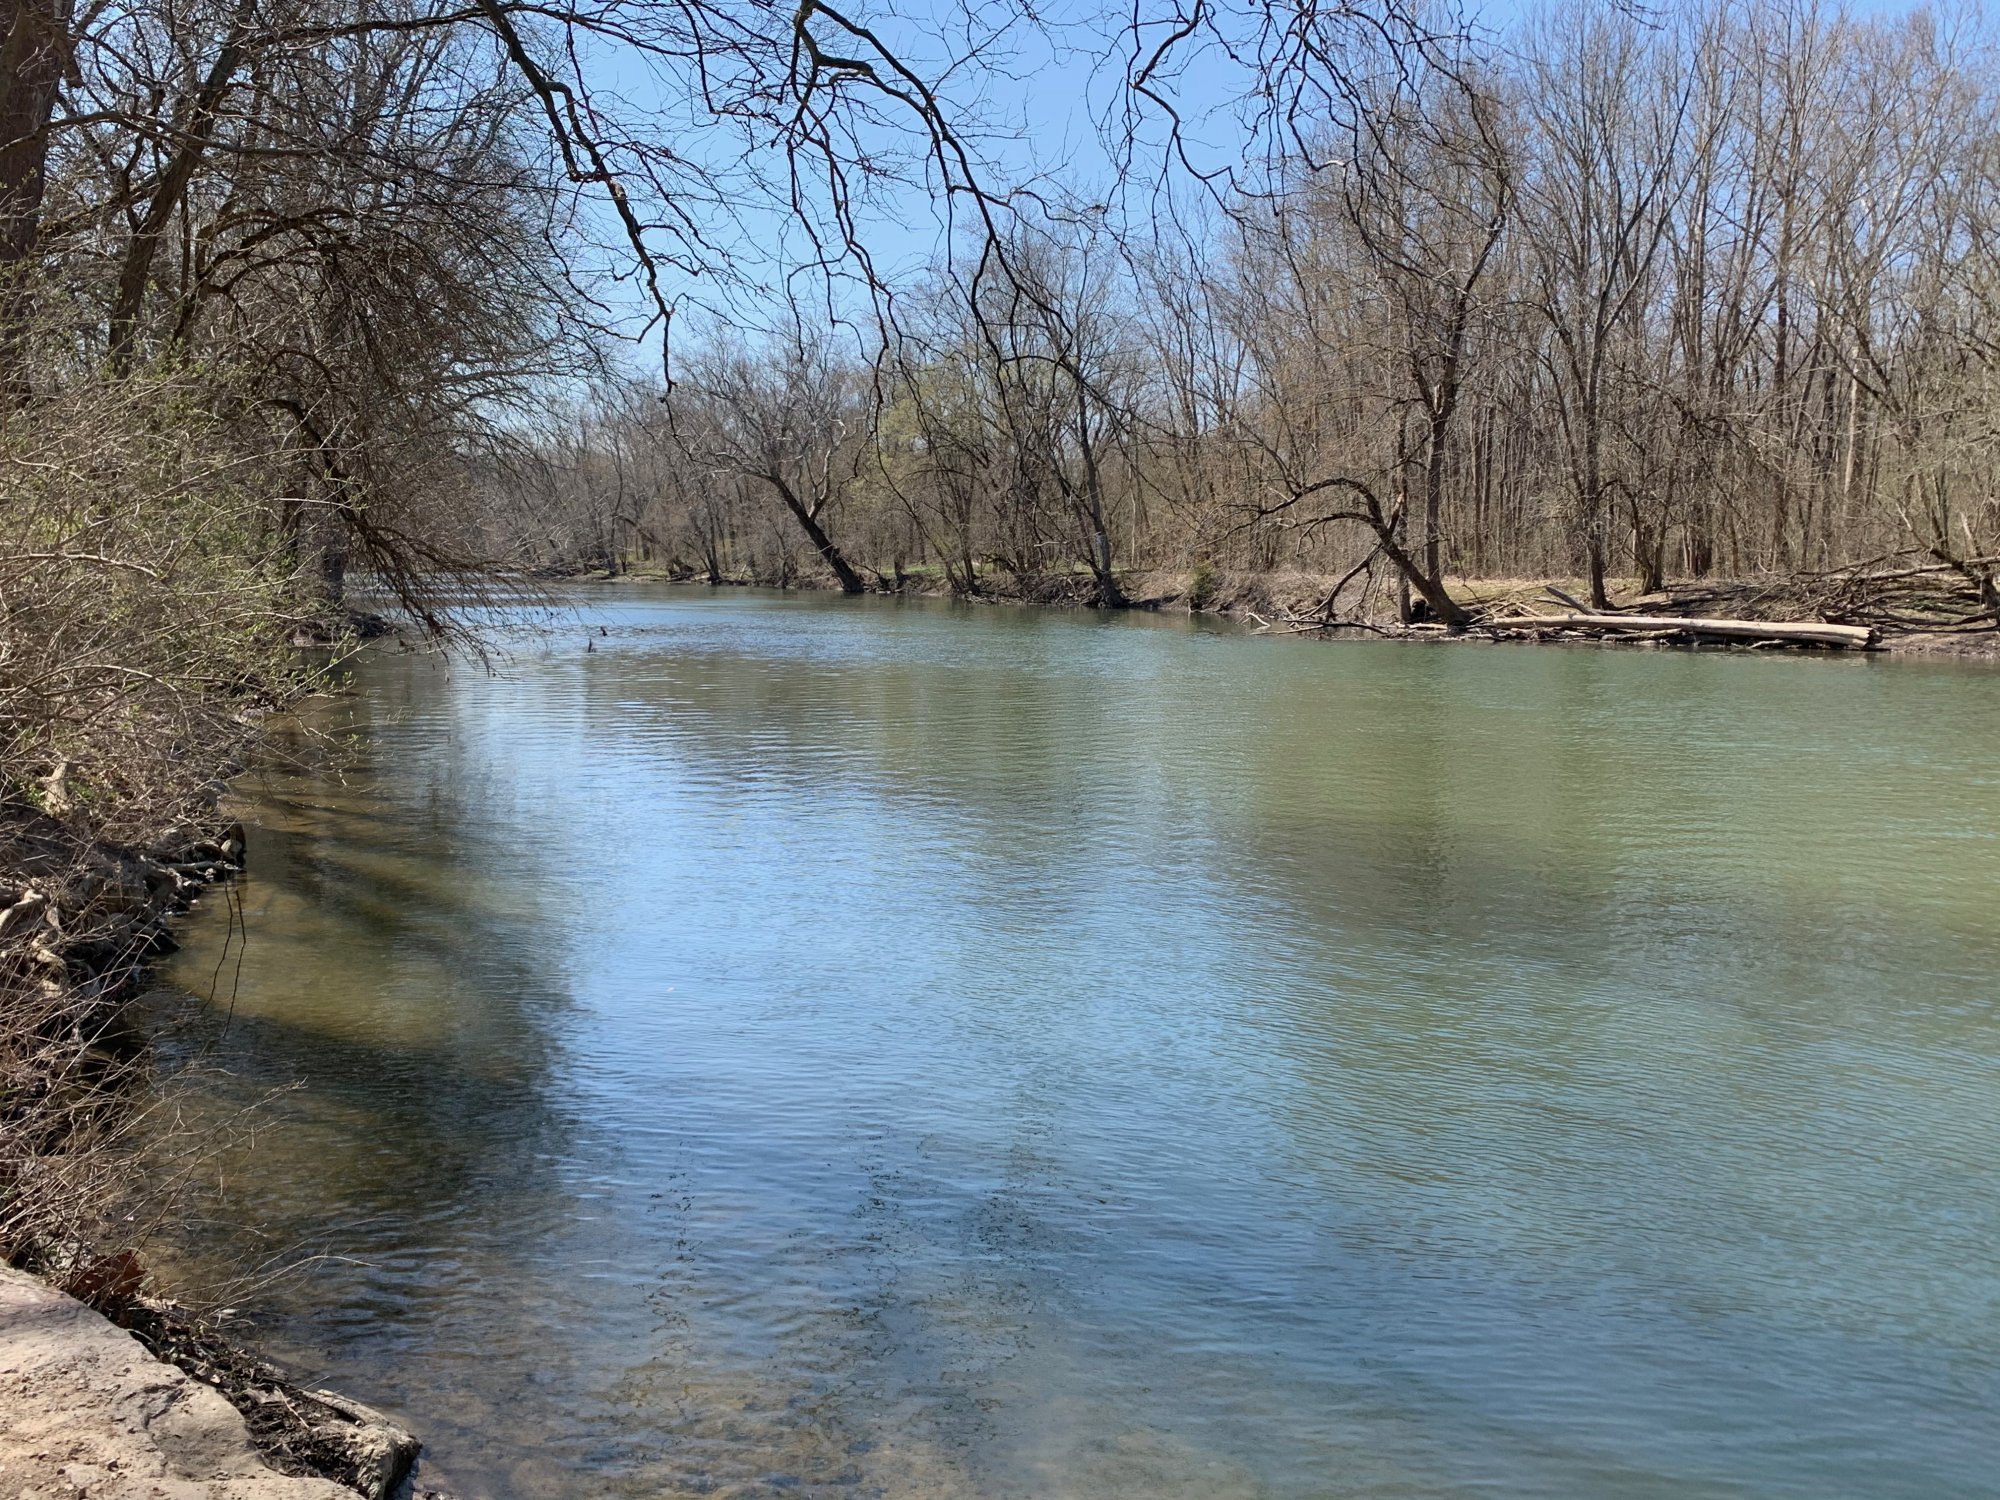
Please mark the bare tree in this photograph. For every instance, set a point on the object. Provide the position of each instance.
(1608, 117)
(789, 418)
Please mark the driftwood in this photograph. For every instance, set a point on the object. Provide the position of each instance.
(1811, 633)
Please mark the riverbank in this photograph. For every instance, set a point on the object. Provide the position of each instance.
(93, 1411)
(108, 1390)
(1332, 606)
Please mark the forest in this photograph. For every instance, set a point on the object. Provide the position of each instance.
(1383, 300)
(1706, 297)
(438, 298)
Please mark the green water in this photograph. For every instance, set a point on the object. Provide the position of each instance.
(843, 1048)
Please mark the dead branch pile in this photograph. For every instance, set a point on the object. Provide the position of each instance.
(1910, 592)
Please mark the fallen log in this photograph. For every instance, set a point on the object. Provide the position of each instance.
(1812, 633)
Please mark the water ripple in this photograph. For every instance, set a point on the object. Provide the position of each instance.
(806, 1047)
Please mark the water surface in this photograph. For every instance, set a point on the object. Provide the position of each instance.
(841, 1048)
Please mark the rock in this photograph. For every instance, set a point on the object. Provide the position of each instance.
(375, 1454)
(298, 1431)
(85, 1411)
(23, 911)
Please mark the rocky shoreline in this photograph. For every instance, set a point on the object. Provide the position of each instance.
(94, 1411)
(108, 1391)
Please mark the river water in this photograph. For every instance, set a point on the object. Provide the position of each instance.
(805, 1047)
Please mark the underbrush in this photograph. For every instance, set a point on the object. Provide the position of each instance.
(153, 581)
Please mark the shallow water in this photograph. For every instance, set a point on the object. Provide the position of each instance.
(847, 1048)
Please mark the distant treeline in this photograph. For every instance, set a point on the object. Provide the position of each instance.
(1624, 294)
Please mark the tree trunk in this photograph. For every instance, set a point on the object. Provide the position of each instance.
(34, 48)
(1109, 594)
(1444, 609)
(196, 128)
(1434, 457)
(850, 581)
(1814, 633)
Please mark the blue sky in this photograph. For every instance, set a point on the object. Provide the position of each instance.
(1036, 111)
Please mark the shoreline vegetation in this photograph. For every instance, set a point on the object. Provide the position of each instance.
(1762, 615)
(81, 921)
